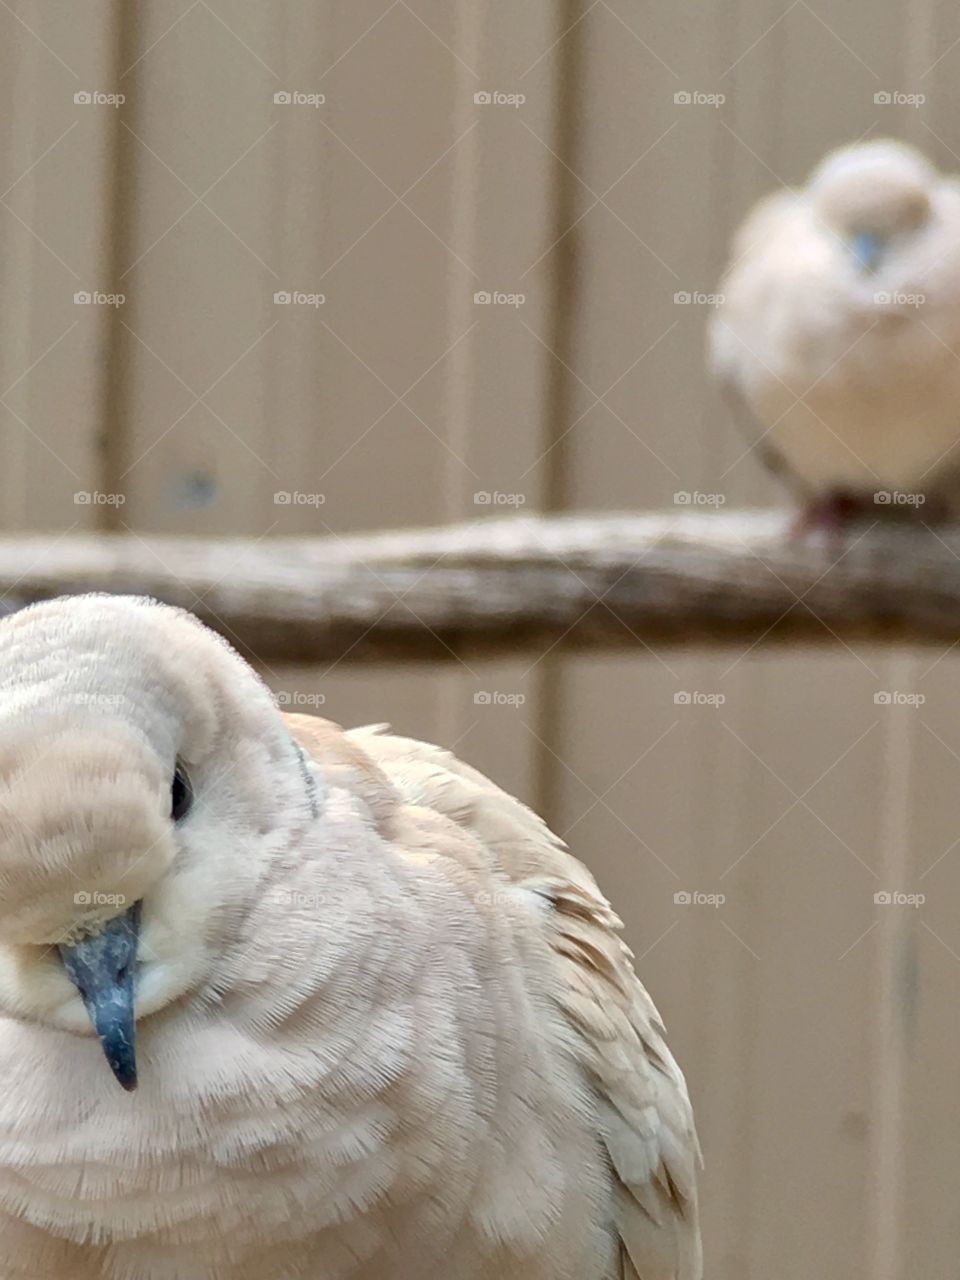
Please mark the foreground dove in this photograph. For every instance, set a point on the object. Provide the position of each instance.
(838, 342)
(360, 1016)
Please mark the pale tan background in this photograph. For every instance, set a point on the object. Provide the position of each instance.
(819, 1031)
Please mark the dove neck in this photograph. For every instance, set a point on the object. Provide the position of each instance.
(368, 953)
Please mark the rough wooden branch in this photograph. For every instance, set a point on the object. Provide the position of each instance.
(504, 584)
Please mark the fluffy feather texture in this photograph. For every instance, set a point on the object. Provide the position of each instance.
(839, 339)
(386, 1026)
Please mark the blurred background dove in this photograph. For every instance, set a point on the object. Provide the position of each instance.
(379, 1021)
(838, 340)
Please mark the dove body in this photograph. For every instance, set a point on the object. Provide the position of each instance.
(838, 341)
(384, 1023)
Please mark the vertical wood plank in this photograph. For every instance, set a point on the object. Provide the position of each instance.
(506, 212)
(924, 969)
(56, 178)
(889, 1128)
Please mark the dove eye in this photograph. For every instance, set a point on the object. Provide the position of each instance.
(181, 794)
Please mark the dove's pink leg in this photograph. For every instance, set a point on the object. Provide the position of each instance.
(828, 515)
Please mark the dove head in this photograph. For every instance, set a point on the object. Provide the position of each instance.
(875, 195)
(145, 778)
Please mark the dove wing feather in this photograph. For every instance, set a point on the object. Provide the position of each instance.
(643, 1109)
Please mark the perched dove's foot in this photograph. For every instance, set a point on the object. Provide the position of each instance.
(829, 516)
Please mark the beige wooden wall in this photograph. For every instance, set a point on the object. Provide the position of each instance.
(819, 1030)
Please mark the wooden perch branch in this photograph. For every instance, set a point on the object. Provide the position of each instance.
(530, 583)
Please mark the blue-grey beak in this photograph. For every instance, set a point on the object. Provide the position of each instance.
(867, 248)
(102, 967)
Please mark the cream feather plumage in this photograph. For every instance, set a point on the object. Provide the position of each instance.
(385, 1022)
(838, 340)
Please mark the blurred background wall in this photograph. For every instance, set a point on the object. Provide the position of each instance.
(385, 166)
